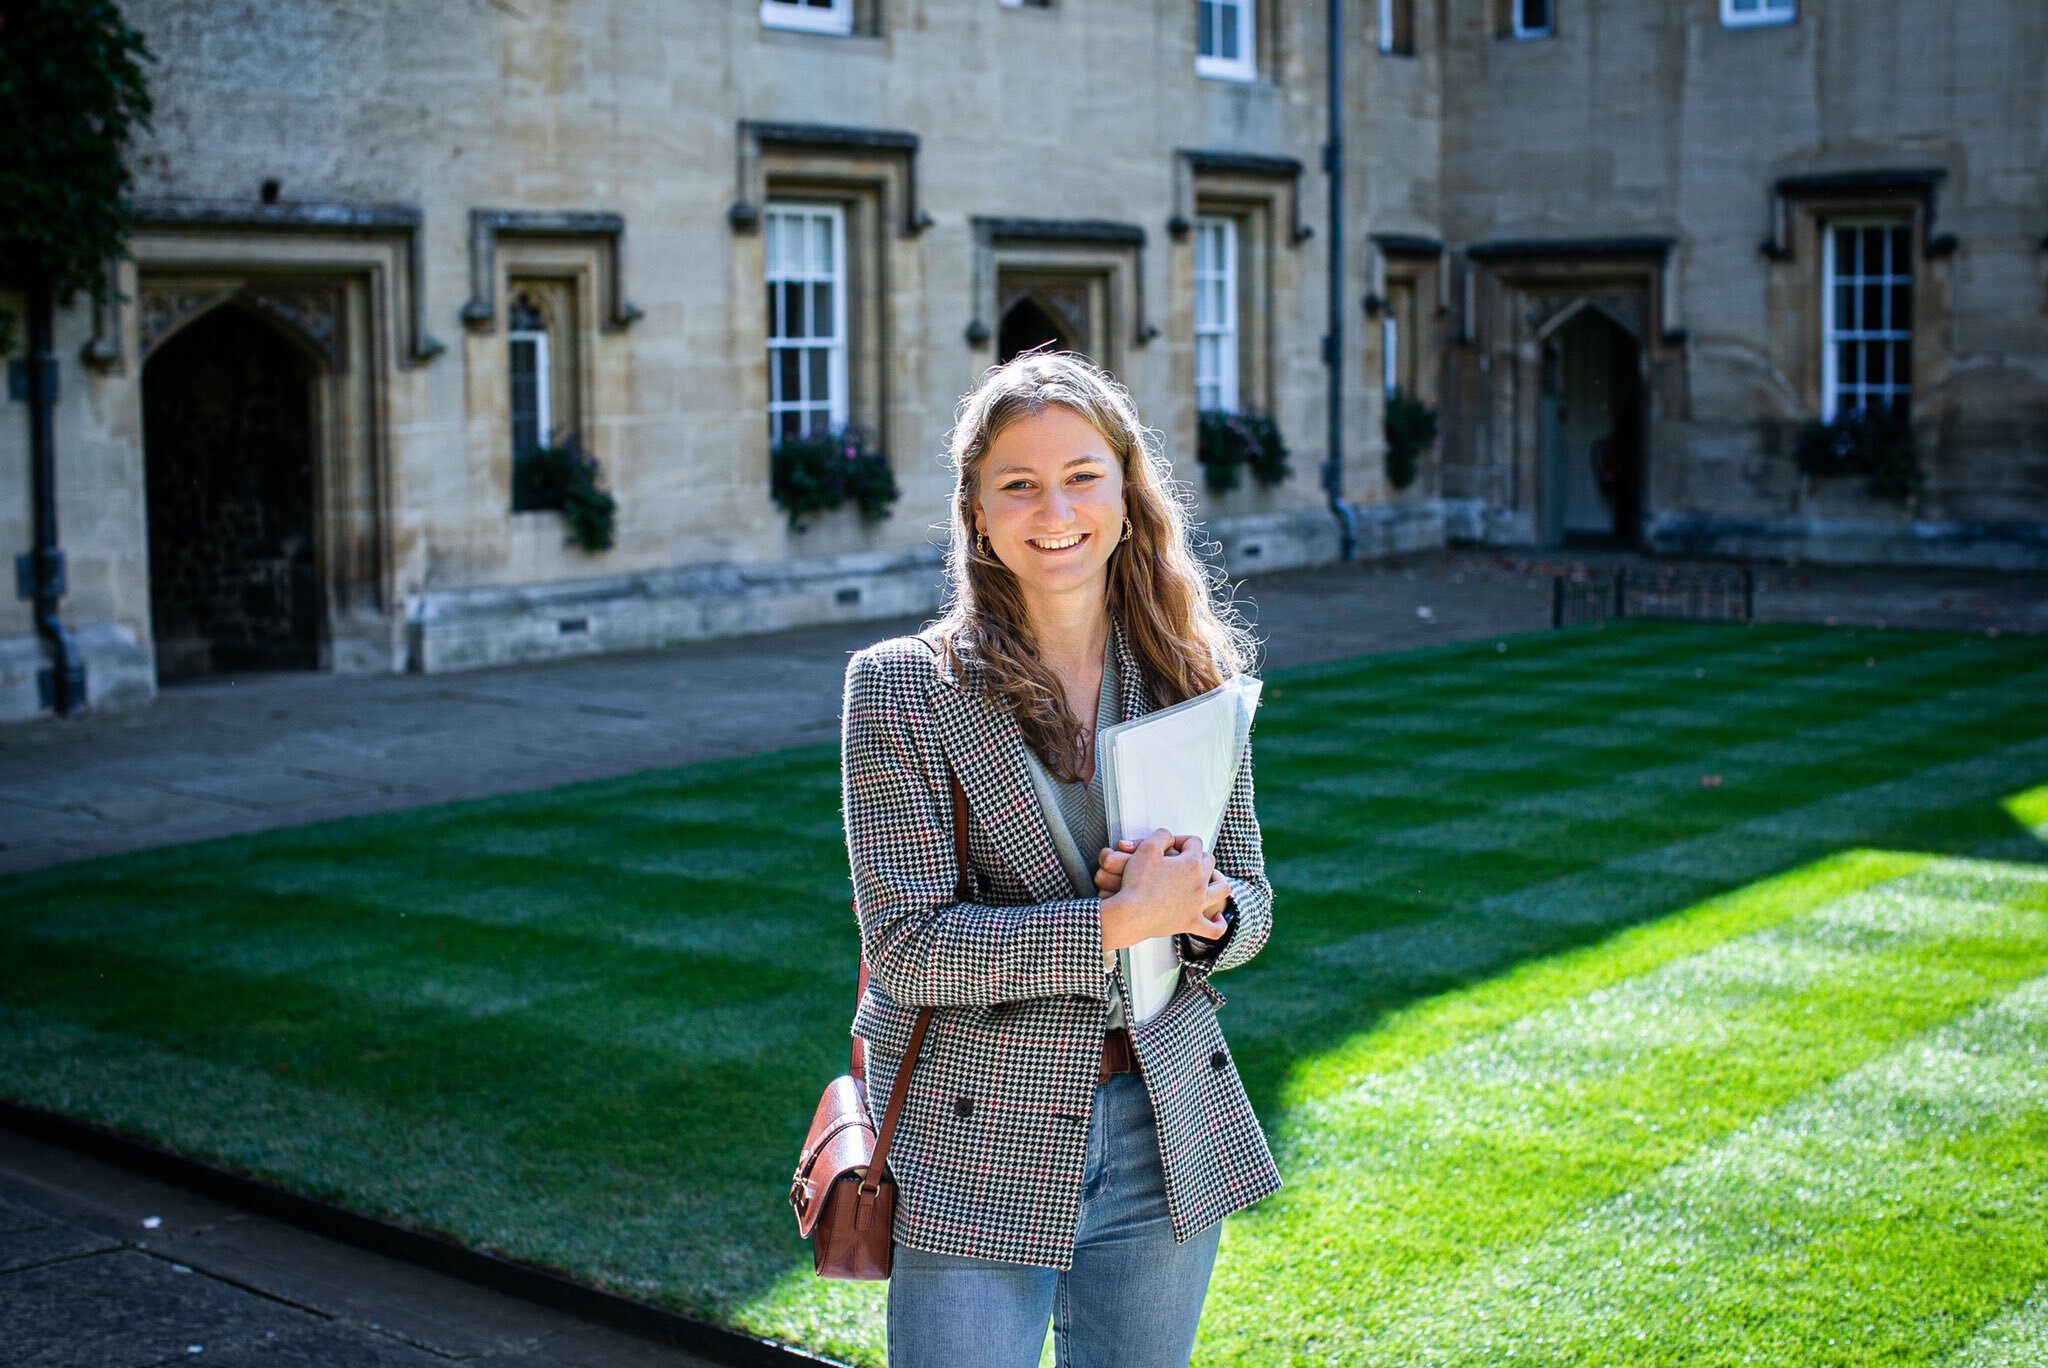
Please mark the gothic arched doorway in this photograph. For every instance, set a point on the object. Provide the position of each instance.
(1591, 482)
(1027, 325)
(227, 405)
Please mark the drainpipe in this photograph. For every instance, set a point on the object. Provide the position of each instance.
(1333, 340)
(40, 573)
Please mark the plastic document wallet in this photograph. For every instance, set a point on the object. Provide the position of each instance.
(1173, 768)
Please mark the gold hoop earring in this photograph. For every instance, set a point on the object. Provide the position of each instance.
(981, 542)
(1127, 531)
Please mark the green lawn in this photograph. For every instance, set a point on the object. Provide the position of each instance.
(1647, 994)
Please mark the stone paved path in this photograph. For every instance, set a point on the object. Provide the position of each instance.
(100, 1268)
(244, 754)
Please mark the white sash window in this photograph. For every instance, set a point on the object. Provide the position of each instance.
(806, 278)
(1216, 313)
(1867, 316)
(1223, 40)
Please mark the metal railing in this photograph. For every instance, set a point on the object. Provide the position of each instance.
(1684, 595)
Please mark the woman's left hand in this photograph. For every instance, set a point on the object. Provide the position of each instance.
(1109, 878)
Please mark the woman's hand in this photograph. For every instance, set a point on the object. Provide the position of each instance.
(1163, 886)
(1109, 875)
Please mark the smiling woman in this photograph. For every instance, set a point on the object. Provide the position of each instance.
(1054, 1160)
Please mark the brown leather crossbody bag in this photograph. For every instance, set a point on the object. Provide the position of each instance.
(843, 1194)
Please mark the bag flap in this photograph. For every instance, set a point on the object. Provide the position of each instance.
(841, 1140)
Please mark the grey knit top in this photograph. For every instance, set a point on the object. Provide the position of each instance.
(1075, 815)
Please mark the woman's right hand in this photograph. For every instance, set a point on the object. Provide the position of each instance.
(1162, 891)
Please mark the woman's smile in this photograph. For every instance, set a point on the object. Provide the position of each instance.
(1054, 546)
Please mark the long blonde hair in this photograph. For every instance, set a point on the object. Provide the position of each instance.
(1173, 607)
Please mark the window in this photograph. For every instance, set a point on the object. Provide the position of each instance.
(1223, 39)
(1867, 316)
(806, 260)
(1530, 18)
(1397, 26)
(527, 335)
(1748, 13)
(818, 16)
(1216, 313)
(1390, 354)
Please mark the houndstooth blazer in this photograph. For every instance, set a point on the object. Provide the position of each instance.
(990, 1147)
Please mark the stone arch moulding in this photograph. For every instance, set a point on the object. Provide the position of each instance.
(311, 316)
(1191, 165)
(758, 138)
(1654, 257)
(1055, 244)
(396, 225)
(1550, 317)
(486, 226)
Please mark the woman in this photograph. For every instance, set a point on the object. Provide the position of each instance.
(1053, 1160)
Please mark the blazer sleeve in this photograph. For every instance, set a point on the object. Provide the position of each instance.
(1240, 857)
(924, 947)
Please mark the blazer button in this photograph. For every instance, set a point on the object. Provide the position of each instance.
(1219, 1060)
(964, 1108)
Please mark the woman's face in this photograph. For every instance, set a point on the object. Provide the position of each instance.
(1051, 502)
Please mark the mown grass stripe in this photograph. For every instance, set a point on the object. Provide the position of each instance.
(1931, 1147)
(1407, 1180)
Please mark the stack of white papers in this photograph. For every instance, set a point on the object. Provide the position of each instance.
(1173, 768)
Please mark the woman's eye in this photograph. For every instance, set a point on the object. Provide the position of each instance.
(1087, 475)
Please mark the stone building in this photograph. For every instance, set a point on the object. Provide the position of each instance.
(382, 248)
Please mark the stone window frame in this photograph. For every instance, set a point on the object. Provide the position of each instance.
(871, 173)
(797, 16)
(1263, 194)
(1245, 66)
(1409, 272)
(567, 273)
(1767, 14)
(1800, 206)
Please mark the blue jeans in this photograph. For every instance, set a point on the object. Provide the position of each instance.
(1131, 1301)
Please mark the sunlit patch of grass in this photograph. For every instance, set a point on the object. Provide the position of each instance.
(1648, 993)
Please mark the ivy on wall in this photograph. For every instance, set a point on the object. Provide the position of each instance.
(72, 93)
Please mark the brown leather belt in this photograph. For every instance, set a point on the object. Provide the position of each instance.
(1117, 1055)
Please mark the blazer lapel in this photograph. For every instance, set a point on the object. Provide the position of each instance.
(987, 750)
(1136, 702)
(986, 747)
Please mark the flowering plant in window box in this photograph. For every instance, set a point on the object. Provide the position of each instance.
(1227, 444)
(821, 470)
(1410, 427)
(564, 476)
(1872, 442)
